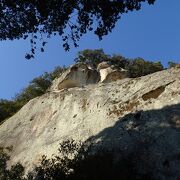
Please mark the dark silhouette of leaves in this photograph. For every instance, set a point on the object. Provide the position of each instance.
(68, 18)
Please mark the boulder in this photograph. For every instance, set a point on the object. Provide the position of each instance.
(109, 73)
(77, 75)
(103, 65)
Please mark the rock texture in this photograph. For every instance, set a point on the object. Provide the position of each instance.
(109, 74)
(77, 75)
(141, 114)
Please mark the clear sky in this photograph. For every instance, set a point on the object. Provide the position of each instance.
(152, 33)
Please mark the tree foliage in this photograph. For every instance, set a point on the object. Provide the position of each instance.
(16, 171)
(139, 67)
(136, 67)
(7, 109)
(91, 57)
(172, 64)
(68, 18)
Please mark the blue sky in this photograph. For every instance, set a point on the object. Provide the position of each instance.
(152, 33)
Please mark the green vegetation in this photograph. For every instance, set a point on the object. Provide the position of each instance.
(139, 67)
(172, 64)
(92, 57)
(16, 172)
(7, 109)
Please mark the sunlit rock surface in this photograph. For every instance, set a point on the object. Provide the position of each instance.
(109, 73)
(77, 75)
(140, 114)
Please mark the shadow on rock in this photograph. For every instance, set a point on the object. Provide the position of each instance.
(145, 144)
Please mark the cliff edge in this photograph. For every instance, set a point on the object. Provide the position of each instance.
(120, 113)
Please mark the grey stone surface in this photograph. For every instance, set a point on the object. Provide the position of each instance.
(109, 73)
(123, 113)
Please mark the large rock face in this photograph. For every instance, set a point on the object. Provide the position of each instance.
(129, 113)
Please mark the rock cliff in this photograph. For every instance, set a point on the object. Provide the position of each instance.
(123, 113)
